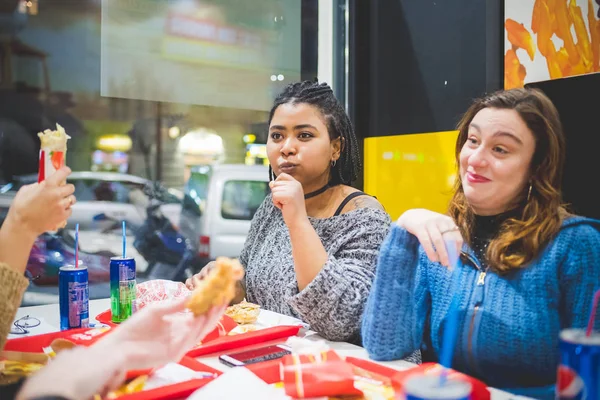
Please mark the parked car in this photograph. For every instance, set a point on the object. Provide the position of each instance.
(105, 192)
(219, 202)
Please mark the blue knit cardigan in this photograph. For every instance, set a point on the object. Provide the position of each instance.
(508, 325)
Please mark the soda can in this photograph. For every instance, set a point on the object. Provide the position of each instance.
(424, 387)
(73, 297)
(579, 369)
(122, 288)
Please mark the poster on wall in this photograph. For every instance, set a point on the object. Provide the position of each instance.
(550, 39)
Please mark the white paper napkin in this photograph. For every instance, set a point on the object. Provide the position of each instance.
(170, 374)
(238, 383)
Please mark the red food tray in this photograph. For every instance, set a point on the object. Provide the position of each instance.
(106, 318)
(178, 390)
(244, 339)
(372, 366)
(215, 343)
(269, 371)
(36, 343)
(225, 326)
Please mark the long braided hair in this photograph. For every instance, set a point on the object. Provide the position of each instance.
(321, 96)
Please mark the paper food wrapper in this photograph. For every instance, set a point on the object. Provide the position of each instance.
(159, 290)
(316, 375)
(53, 151)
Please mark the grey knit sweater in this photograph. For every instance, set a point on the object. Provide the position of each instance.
(333, 302)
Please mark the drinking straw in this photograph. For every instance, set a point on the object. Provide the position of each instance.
(77, 246)
(451, 329)
(590, 326)
(124, 240)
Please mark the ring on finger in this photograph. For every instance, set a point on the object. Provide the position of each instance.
(454, 228)
(70, 201)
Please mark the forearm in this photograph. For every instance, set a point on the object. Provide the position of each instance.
(104, 373)
(393, 320)
(308, 252)
(15, 244)
(334, 301)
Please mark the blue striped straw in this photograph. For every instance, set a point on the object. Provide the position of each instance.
(77, 246)
(124, 240)
(451, 329)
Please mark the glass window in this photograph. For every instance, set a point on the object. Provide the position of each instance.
(241, 199)
(161, 90)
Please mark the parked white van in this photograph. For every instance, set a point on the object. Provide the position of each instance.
(219, 202)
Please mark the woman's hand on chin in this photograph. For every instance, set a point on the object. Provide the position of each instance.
(288, 196)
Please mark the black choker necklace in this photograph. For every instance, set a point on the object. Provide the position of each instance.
(316, 192)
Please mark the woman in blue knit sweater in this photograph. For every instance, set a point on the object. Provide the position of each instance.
(527, 268)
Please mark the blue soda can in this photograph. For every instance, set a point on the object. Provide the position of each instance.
(426, 387)
(73, 297)
(122, 288)
(579, 369)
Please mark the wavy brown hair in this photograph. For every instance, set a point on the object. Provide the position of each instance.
(521, 238)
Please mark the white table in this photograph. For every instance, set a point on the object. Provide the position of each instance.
(49, 314)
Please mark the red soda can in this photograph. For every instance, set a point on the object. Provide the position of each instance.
(579, 369)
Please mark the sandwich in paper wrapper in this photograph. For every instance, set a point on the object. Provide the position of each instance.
(53, 151)
(217, 288)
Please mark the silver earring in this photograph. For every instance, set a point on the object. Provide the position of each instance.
(333, 163)
(529, 193)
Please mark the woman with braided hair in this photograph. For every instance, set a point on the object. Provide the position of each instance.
(313, 243)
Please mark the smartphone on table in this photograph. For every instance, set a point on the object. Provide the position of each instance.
(255, 356)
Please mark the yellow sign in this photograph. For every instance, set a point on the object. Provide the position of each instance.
(114, 142)
(411, 171)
